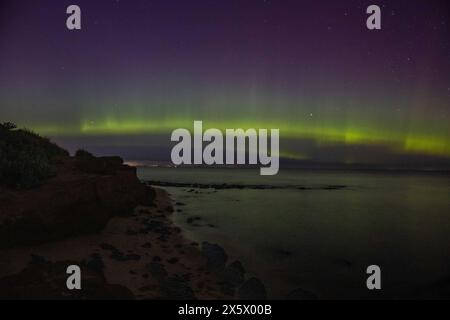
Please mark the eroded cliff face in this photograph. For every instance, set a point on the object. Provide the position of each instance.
(80, 199)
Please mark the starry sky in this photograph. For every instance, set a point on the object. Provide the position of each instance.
(139, 69)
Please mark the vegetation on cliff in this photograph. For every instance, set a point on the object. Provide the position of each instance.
(26, 158)
(84, 191)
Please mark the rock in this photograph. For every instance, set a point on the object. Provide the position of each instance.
(156, 227)
(234, 273)
(157, 270)
(193, 219)
(47, 281)
(176, 288)
(300, 294)
(95, 262)
(216, 255)
(227, 289)
(252, 289)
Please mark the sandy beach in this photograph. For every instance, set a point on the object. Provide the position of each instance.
(145, 253)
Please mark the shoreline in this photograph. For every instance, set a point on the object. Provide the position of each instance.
(222, 186)
(145, 254)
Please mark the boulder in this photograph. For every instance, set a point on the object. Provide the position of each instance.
(176, 288)
(215, 254)
(252, 289)
(234, 273)
(95, 262)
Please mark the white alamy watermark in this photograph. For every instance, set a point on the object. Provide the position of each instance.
(212, 148)
(374, 20)
(374, 280)
(74, 280)
(73, 21)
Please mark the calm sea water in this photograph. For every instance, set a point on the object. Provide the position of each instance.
(322, 240)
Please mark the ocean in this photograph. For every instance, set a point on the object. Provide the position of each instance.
(319, 231)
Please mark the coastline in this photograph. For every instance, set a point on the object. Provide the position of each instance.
(144, 253)
(287, 233)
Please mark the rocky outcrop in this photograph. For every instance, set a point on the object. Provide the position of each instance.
(252, 289)
(215, 254)
(234, 273)
(45, 280)
(81, 199)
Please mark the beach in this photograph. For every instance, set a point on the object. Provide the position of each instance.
(133, 252)
(177, 233)
(95, 214)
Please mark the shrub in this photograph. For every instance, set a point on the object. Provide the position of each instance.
(25, 157)
(8, 126)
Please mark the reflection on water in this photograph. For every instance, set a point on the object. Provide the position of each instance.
(322, 240)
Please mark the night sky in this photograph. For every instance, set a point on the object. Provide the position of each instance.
(139, 69)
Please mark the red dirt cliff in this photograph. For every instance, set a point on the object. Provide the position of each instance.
(81, 198)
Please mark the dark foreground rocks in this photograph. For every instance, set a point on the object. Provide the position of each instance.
(44, 280)
(144, 252)
(224, 186)
(252, 289)
(96, 214)
(81, 199)
(233, 275)
(215, 254)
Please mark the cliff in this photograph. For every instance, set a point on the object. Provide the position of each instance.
(93, 212)
(82, 196)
